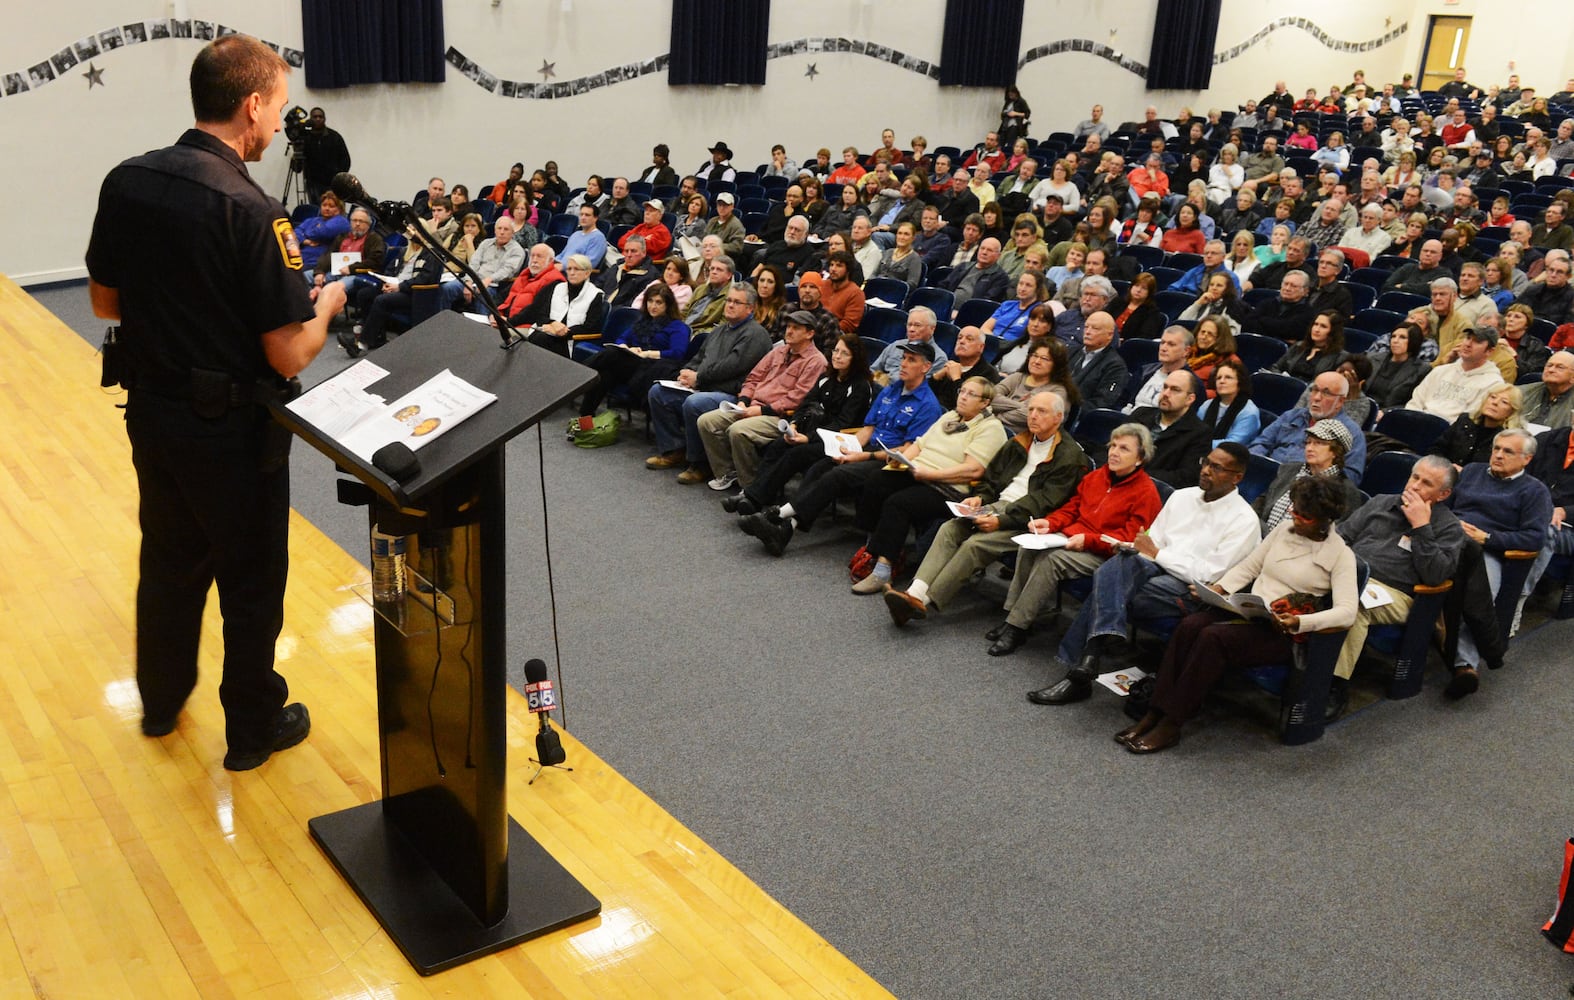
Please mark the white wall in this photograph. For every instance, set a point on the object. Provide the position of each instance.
(57, 142)
(1533, 40)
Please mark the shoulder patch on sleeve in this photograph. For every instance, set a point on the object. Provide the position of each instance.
(289, 246)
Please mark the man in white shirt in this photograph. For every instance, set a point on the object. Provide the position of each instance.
(1201, 532)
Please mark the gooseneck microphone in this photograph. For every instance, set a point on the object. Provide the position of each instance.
(348, 187)
(542, 699)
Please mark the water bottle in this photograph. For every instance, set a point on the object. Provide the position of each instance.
(388, 582)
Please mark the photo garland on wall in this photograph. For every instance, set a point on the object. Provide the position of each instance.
(99, 45)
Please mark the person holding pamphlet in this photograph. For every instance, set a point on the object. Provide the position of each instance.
(1303, 578)
(1115, 501)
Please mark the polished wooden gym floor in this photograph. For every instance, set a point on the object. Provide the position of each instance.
(132, 867)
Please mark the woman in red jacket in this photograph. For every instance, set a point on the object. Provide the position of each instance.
(1114, 501)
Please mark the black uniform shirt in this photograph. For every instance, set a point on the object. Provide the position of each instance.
(204, 261)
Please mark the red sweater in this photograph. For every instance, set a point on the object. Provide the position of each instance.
(1100, 507)
(525, 288)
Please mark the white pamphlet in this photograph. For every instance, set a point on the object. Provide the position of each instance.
(362, 423)
(1245, 604)
(1374, 596)
(671, 384)
(1053, 540)
(838, 444)
(1120, 681)
(961, 511)
(337, 262)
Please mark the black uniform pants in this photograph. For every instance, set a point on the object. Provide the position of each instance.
(214, 507)
(779, 462)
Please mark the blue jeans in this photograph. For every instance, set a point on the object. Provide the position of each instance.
(1124, 588)
(673, 417)
(1559, 542)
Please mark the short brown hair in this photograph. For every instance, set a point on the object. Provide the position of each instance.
(229, 70)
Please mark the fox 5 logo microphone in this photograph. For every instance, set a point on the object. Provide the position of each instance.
(540, 696)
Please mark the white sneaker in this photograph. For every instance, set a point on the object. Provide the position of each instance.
(723, 483)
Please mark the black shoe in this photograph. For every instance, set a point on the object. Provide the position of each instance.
(290, 726)
(1010, 640)
(1465, 681)
(774, 535)
(995, 632)
(1338, 699)
(1064, 692)
(158, 727)
(351, 346)
(739, 503)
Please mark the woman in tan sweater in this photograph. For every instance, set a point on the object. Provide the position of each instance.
(1303, 557)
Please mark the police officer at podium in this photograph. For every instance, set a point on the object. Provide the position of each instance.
(203, 273)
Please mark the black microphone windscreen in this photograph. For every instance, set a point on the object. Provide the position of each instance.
(396, 459)
(347, 187)
(535, 671)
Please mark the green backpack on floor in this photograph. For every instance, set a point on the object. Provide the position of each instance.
(603, 431)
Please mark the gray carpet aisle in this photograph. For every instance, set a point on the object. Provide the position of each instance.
(895, 790)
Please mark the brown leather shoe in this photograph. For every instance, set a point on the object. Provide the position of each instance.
(1162, 736)
(1140, 728)
(904, 607)
(666, 460)
(693, 474)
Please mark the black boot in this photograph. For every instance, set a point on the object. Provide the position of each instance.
(1077, 685)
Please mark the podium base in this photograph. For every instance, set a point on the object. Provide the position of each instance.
(431, 925)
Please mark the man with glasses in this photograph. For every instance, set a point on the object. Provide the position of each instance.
(1551, 298)
(714, 376)
(1284, 440)
(1202, 531)
(1499, 508)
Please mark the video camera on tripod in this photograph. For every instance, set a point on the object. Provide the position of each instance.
(295, 134)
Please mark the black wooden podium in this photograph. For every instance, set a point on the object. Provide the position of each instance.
(447, 872)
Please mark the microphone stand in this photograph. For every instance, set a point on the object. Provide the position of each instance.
(549, 745)
(401, 212)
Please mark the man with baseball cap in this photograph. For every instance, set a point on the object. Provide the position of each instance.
(1460, 385)
(726, 226)
(900, 413)
(732, 436)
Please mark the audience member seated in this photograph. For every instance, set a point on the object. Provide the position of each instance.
(1460, 385)
(620, 209)
(1009, 322)
(622, 284)
(731, 350)
(1416, 278)
(1469, 438)
(1554, 466)
(1320, 352)
(1140, 318)
(359, 240)
(540, 272)
(841, 292)
(1450, 320)
(1097, 367)
(1115, 501)
(1175, 348)
(1035, 472)
(1552, 297)
(1327, 445)
(658, 240)
(726, 226)
(1500, 508)
(1180, 439)
(1284, 440)
(378, 302)
(1187, 235)
(567, 309)
(901, 261)
(1201, 531)
(1047, 370)
(983, 279)
(1040, 328)
(953, 453)
(967, 362)
(1230, 414)
(1296, 252)
(1213, 343)
(1094, 296)
(1218, 301)
(720, 167)
(900, 414)
(1399, 371)
(319, 232)
(651, 349)
(1528, 351)
(1301, 566)
(773, 389)
(921, 324)
(840, 400)
(1549, 402)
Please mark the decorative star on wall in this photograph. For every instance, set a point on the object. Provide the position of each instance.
(812, 72)
(95, 76)
(547, 70)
